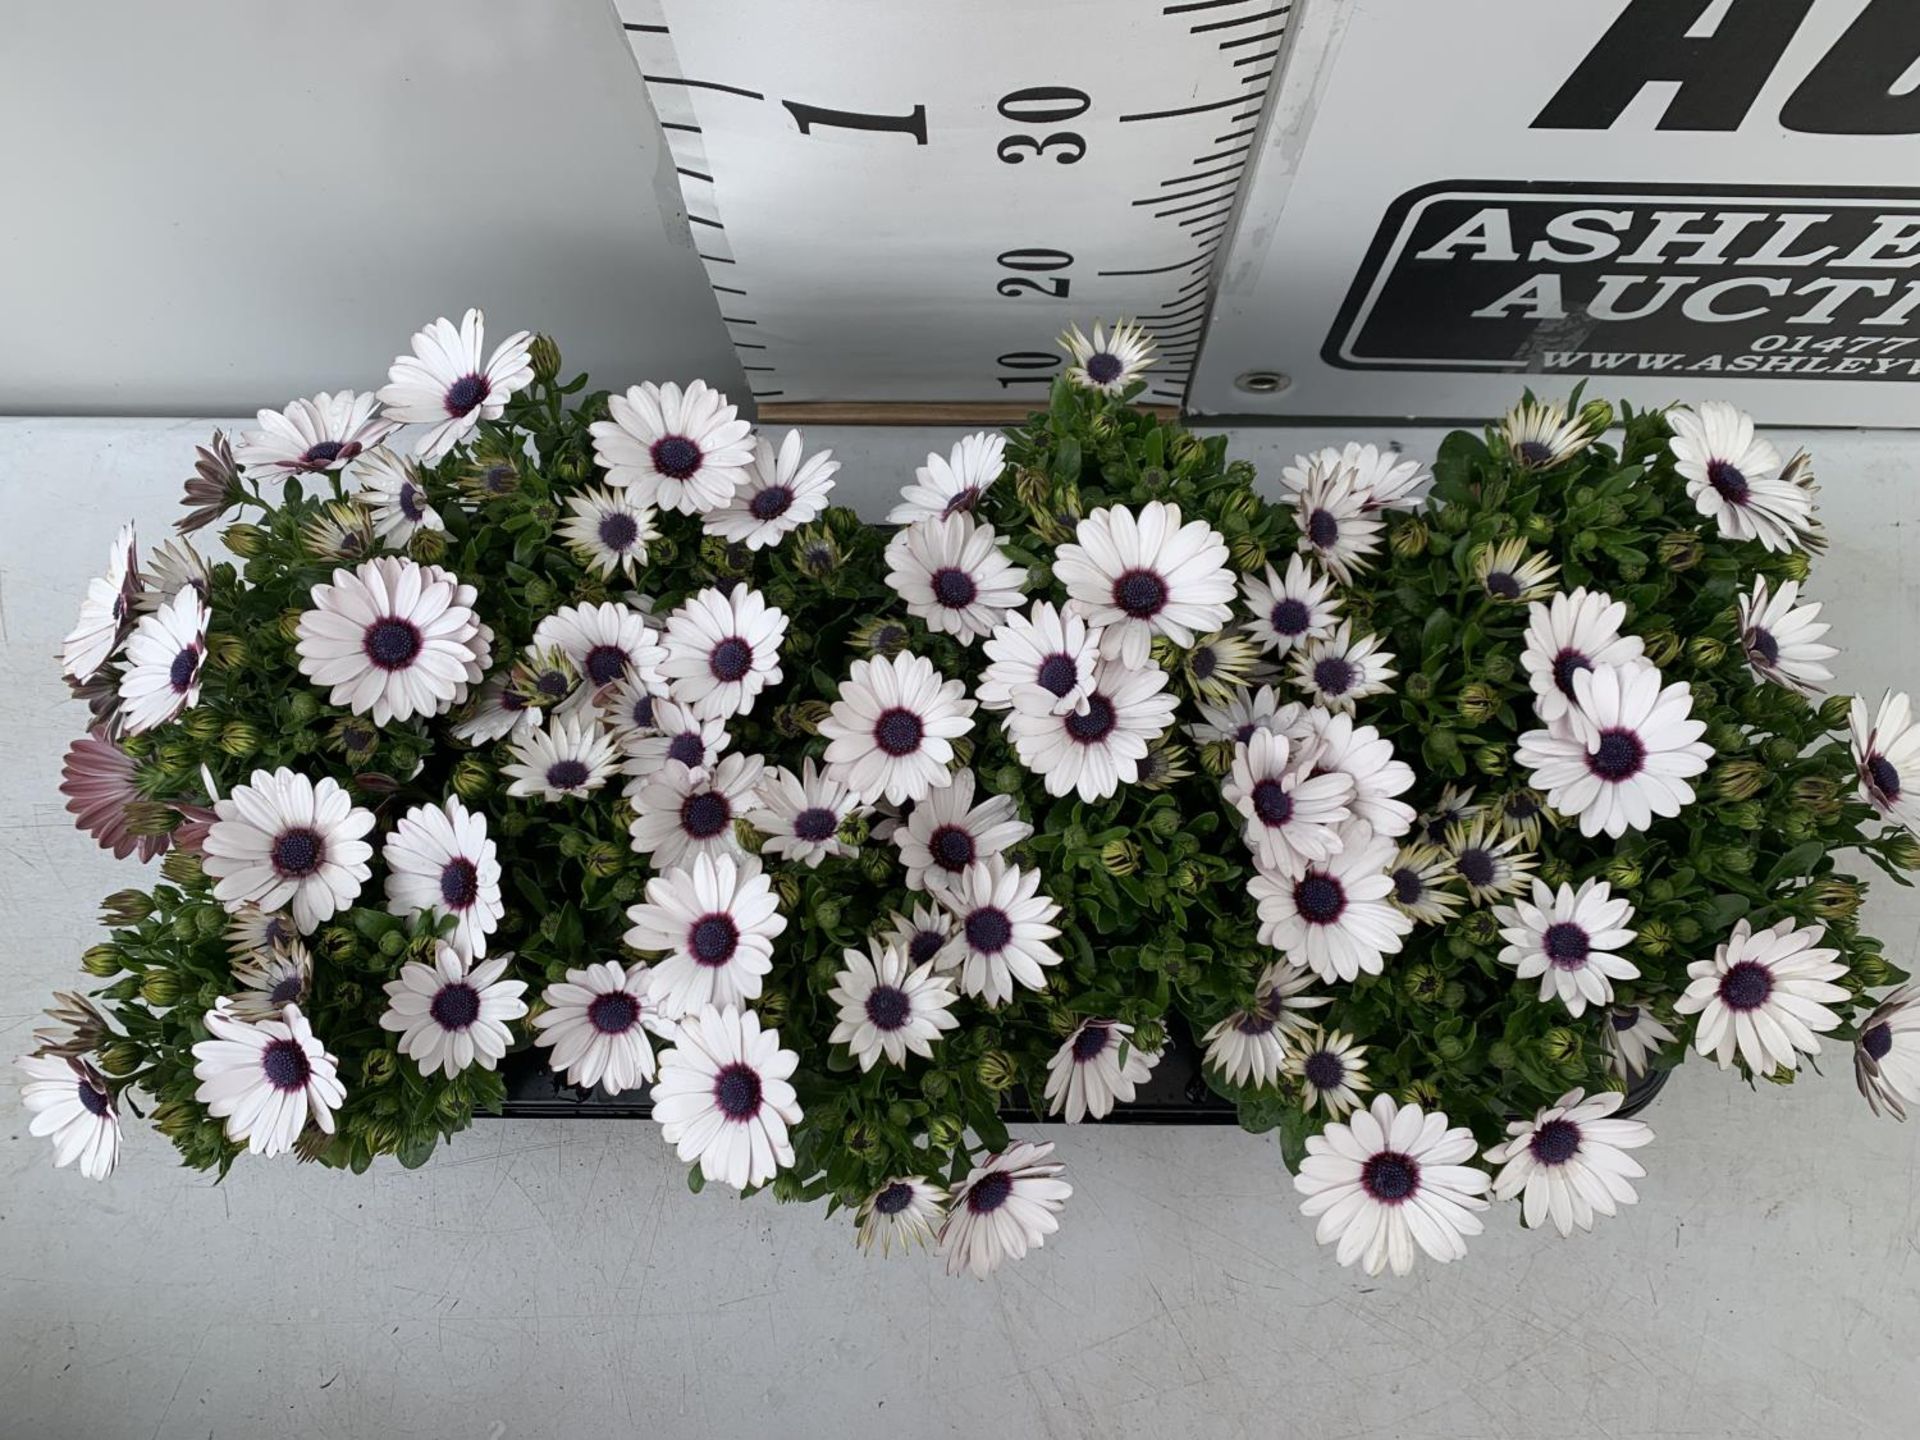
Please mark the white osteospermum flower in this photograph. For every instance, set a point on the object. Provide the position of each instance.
(1093, 752)
(676, 734)
(723, 649)
(1886, 1057)
(608, 530)
(889, 1007)
(312, 436)
(780, 494)
(1734, 477)
(446, 385)
(1041, 661)
(496, 712)
(284, 840)
(1096, 1067)
(1574, 631)
(891, 731)
(1421, 874)
(1569, 1163)
(272, 980)
(391, 488)
(165, 656)
(1487, 862)
(570, 758)
(606, 643)
(72, 1105)
(1335, 917)
(1292, 816)
(1002, 930)
(1763, 995)
(1290, 610)
(1507, 573)
(1886, 752)
(1388, 1180)
(716, 919)
(724, 1097)
(801, 815)
(1339, 669)
(1384, 478)
(1330, 1069)
(1781, 638)
(439, 858)
(1340, 747)
(391, 639)
(106, 612)
(1569, 939)
(1249, 1047)
(686, 451)
(1336, 526)
(1108, 363)
(1247, 711)
(172, 566)
(596, 1022)
(679, 813)
(1539, 436)
(954, 485)
(946, 833)
(266, 1080)
(1633, 1038)
(1007, 1205)
(1138, 576)
(630, 710)
(921, 934)
(1641, 746)
(953, 576)
(449, 1015)
(906, 1210)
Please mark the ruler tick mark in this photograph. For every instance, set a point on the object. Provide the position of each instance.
(703, 85)
(1200, 5)
(727, 289)
(717, 259)
(1189, 209)
(693, 174)
(1238, 21)
(1256, 59)
(1187, 194)
(647, 29)
(703, 220)
(1233, 170)
(1184, 110)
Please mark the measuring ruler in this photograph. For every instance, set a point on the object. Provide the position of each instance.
(902, 202)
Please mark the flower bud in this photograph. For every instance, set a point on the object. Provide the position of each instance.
(1680, 550)
(1596, 417)
(1216, 757)
(1780, 751)
(875, 865)
(1188, 880)
(1491, 759)
(1410, 538)
(1872, 971)
(944, 1132)
(1453, 519)
(1423, 984)
(472, 778)
(1449, 1047)
(1662, 647)
(302, 706)
(544, 355)
(787, 885)
(225, 652)
(1686, 930)
(606, 860)
(1419, 686)
(1655, 938)
(201, 723)
(1835, 710)
(1498, 667)
(1901, 849)
(997, 1072)
(1480, 927)
(1706, 651)
(1443, 743)
(338, 943)
(377, 1067)
(244, 540)
(126, 907)
(1164, 823)
(1501, 1055)
(240, 739)
(182, 868)
(1538, 527)
(1477, 703)
(392, 944)
(121, 1057)
(1737, 858)
(1836, 897)
(160, 987)
(1247, 554)
(1120, 857)
(102, 961)
(514, 823)
(1796, 566)
(771, 1007)
(1739, 779)
(428, 546)
(1560, 1045)
(1556, 871)
(1624, 873)
(1423, 1093)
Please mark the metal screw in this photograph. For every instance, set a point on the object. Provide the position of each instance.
(1263, 382)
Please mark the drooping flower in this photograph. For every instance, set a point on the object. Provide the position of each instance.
(1340, 747)
(1040, 661)
(1886, 1057)
(1886, 752)
(724, 1099)
(954, 485)
(1781, 638)
(445, 384)
(98, 779)
(953, 577)
(393, 639)
(496, 712)
(1383, 477)
(283, 840)
(271, 980)
(716, 919)
(1291, 610)
(1763, 995)
(1489, 864)
(678, 813)
(266, 1080)
(906, 1210)
(608, 530)
(1335, 917)
(1422, 875)
(1247, 711)
(450, 1014)
(596, 1021)
(1575, 631)
(1539, 436)
(1336, 526)
(214, 487)
(889, 1007)
(1007, 1205)
(1340, 669)
(1249, 1047)
(1096, 1067)
(439, 858)
(686, 451)
(1330, 1069)
(1390, 1179)
(723, 649)
(1093, 752)
(1628, 756)
(172, 566)
(72, 1105)
(675, 734)
(1003, 929)
(253, 933)
(392, 489)
(1293, 817)
(165, 656)
(1570, 939)
(1508, 574)
(605, 643)
(1107, 363)
(312, 436)
(570, 758)
(946, 833)
(801, 815)
(106, 611)
(1634, 1036)
(780, 494)
(891, 731)
(1569, 1163)
(1146, 575)
(1733, 477)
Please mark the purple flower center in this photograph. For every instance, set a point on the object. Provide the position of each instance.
(93, 1101)
(736, 1090)
(1884, 778)
(1204, 662)
(1521, 806)
(409, 502)
(1289, 617)
(1246, 732)
(1626, 1017)
(962, 503)
(1091, 1042)
(642, 712)
(730, 660)
(618, 531)
(1271, 802)
(285, 1065)
(605, 664)
(989, 931)
(770, 503)
(675, 456)
(1333, 675)
(1566, 944)
(1249, 1022)
(1726, 478)
(705, 814)
(185, 666)
(1323, 529)
(288, 991)
(1555, 1143)
(1477, 866)
(1094, 726)
(1566, 665)
(553, 684)
(456, 1006)
(898, 732)
(1390, 1177)
(1746, 986)
(1408, 887)
(1140, 593)
(1619, 757)
(466, 393)
(924, 945)
(888, 1007)
(1877, 1041)
(989, 1192)
(1503, 584)
(391, 643)
(1104, 369)
(319, 456)
(567, 774)
(1760, 642)
(713, 939)
(815, 824)
(1320, 899)
(895, 1198)
(952, 847)
(613, 1013)
(298, 852)
(1325, 1070)
(688, 748)
(459, 883)
(954, 588)
(1534, 453)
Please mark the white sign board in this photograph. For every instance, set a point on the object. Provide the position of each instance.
(1457, 199)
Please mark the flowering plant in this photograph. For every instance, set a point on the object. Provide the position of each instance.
(590, 728)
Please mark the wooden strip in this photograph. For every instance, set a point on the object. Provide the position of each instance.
(914, 412)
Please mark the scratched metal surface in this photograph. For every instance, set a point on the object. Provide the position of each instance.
(547, 1277)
